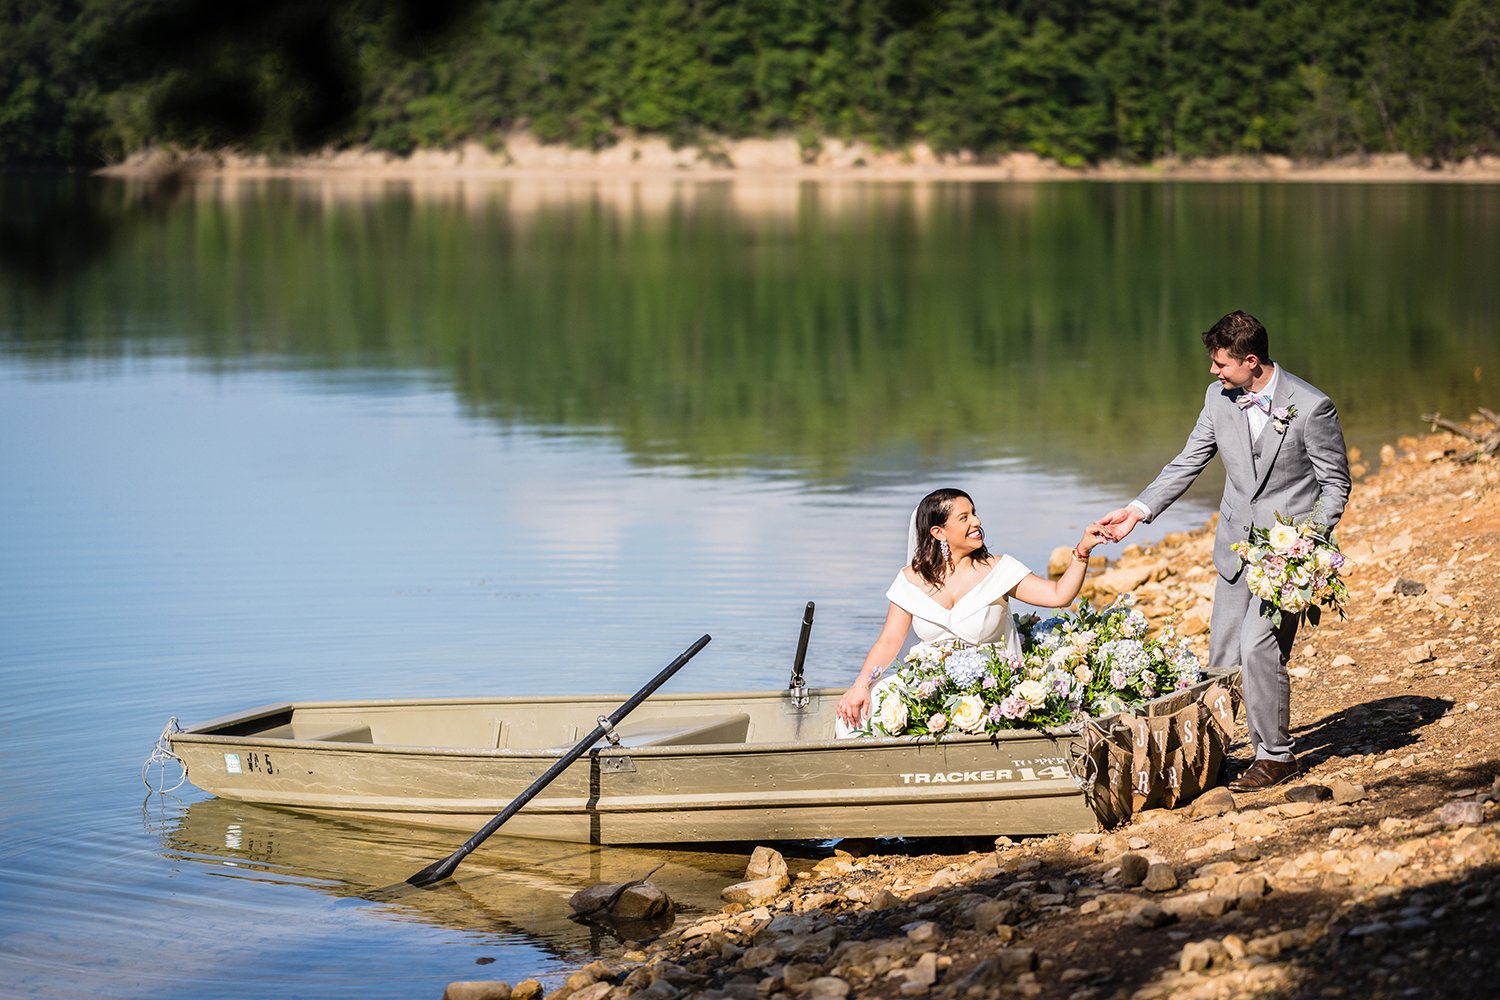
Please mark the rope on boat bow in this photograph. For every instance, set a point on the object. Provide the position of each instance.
(160, 754)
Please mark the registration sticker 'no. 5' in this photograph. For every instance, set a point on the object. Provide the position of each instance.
(231, 763)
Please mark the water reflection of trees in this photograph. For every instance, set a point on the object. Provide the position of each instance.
(809, 326)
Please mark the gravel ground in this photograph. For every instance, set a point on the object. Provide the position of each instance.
(1375, 874)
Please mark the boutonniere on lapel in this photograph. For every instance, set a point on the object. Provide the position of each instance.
(1282, 416)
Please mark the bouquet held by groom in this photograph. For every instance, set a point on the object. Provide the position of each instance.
(1283, 453)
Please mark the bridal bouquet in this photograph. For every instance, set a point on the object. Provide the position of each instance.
(1088, 663)
(1294, 568)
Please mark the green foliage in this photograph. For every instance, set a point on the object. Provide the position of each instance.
(1081, 80)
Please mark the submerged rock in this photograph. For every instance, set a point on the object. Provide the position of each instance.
(623, 902)
(478, 989)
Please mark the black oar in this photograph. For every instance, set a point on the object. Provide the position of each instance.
(440, 870)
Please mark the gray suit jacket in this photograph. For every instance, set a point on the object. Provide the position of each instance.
(1288, 472)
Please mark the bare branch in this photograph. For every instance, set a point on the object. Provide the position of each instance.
(1448, 425)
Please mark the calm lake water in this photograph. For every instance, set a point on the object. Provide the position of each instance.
(301, 441)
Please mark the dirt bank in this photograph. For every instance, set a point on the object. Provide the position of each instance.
(522, 156)
(1377, 874)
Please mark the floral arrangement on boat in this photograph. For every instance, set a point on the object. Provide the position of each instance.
(1294, 568)
(1077, 665)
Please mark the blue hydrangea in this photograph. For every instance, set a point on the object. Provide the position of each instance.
(1185, 660)
(1128, 655)
(1048, 634)
(965, 668)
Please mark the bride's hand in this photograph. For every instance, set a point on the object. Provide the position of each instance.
(1093, 536)
(855, 704)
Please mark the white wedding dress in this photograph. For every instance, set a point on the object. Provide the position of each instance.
(981, 617)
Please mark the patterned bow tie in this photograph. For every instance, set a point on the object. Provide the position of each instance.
(1249, 399)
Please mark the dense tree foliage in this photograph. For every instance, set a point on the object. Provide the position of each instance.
(1079, 80)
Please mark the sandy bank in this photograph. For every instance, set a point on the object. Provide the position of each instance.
(522, 156)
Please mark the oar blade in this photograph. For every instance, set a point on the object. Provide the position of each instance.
(434, 873)
(437, 872)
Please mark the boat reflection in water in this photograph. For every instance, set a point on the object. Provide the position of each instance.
(509, 886)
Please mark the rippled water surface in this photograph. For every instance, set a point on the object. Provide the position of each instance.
(292, 441)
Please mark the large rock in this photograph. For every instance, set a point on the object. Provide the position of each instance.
(644, 901)
(526, 989)
(824, 988)
(1346, 792)
(622, 901)
(1461, 814)
(922, 974)
(1214, 802)
(1309, 793)
(765, 863)
(1199, 955)
(1123, 578)
(1160, 877)
(478, 989)
(755, 891)
(1133, 869)
(989, 915)
(593, 899)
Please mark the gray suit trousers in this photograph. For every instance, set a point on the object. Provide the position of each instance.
(1240, 636)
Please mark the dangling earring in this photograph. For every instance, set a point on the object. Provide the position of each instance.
(943, 548)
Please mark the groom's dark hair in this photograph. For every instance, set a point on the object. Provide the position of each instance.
(1240, 334)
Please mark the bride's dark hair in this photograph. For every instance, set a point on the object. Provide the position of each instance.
(933, 512)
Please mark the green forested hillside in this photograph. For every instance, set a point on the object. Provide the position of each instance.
(1081, 80)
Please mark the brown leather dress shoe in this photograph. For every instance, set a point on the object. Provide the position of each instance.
(1264, 774)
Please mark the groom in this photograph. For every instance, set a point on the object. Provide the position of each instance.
(1283, 453)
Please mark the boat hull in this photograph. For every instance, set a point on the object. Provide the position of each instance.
(692, 768)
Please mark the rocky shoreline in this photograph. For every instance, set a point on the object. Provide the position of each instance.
(520, 155)
(1375, 874)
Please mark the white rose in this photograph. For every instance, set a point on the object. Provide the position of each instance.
(1260, 586)
(1282, 537)
(893, 714)
(1035, 693)
(969, 713)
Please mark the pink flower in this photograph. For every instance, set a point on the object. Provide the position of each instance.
(989, 683)
(926, 689)
(1015, 707)
(937, 723)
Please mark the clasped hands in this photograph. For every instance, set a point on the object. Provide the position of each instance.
(1115, 525)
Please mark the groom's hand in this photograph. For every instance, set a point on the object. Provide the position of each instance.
(1118, 523)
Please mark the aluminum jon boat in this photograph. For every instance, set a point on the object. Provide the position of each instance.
(705, 767)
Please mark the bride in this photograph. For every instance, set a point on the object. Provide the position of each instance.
(954, 588)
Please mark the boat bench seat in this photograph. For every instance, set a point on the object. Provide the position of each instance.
(694, 730)
(357, 733)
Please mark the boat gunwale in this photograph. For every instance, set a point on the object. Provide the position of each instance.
(200, 734)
